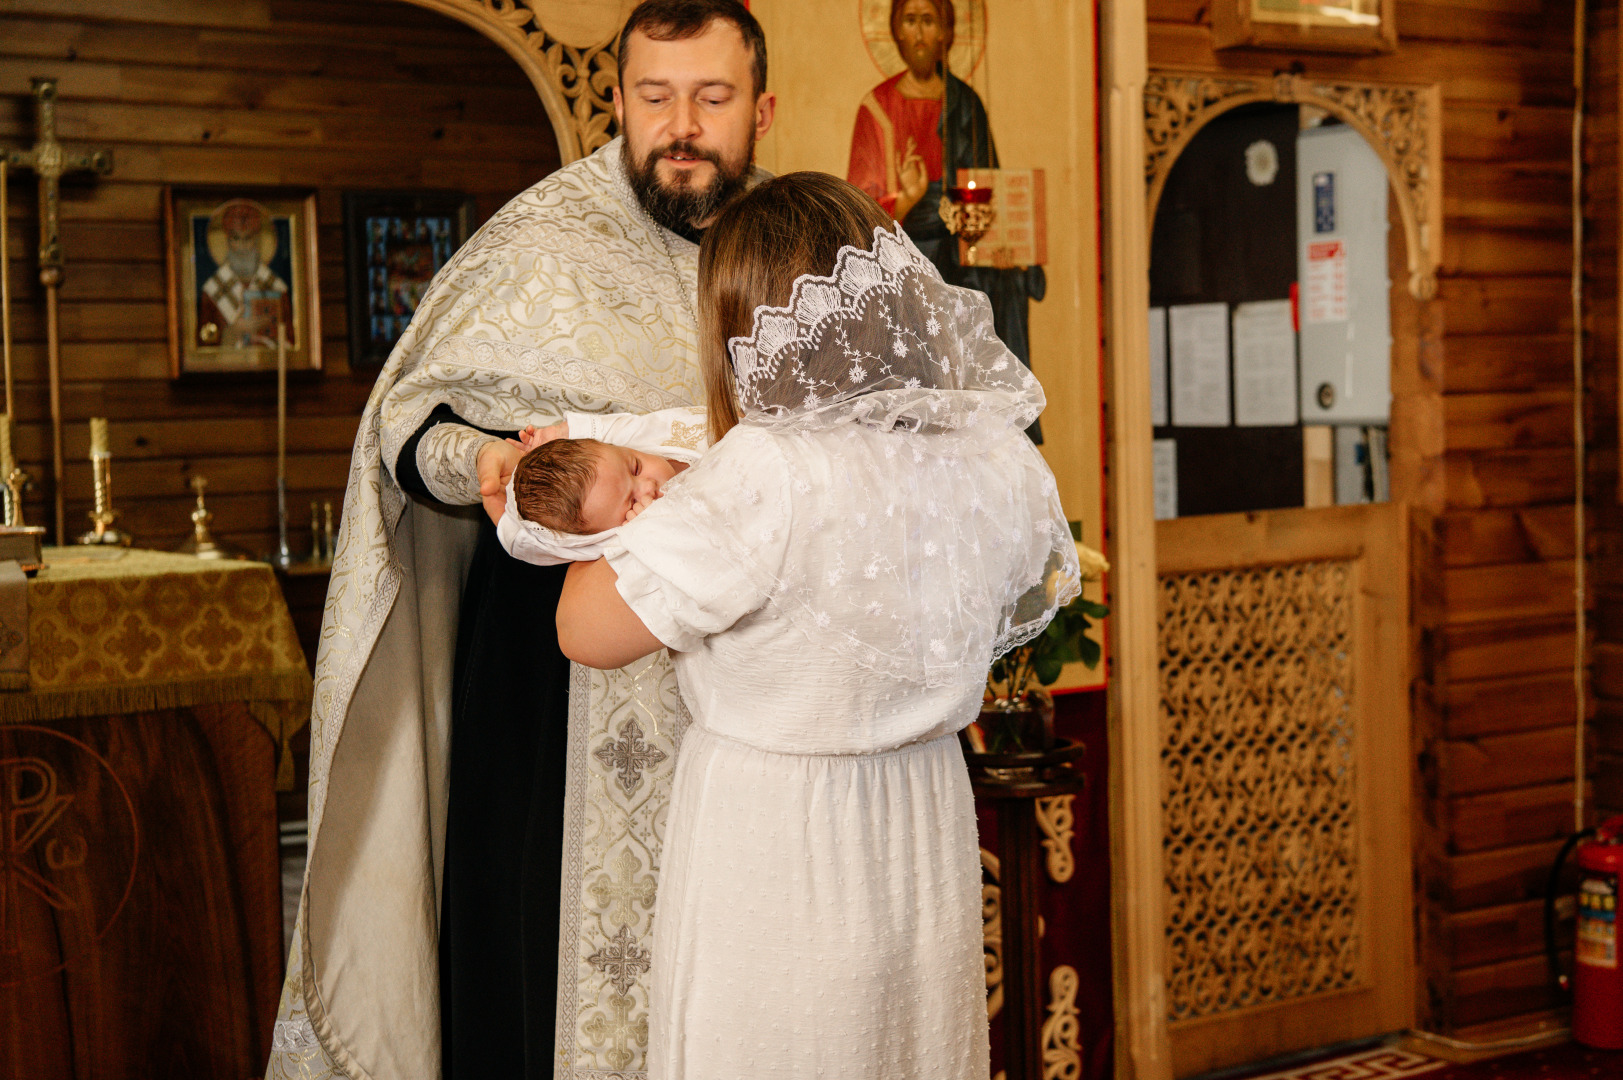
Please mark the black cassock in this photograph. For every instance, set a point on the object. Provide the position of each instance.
(504, 822)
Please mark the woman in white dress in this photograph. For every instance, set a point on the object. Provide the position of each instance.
(833, 578)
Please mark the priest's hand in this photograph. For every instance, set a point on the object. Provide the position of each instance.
(497, 460)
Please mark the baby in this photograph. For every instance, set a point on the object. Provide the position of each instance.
(580, 479)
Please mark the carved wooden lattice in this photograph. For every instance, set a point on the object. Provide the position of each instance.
(1402, 123)
(1257, 763)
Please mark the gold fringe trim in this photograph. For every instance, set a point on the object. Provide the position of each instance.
(133, 697)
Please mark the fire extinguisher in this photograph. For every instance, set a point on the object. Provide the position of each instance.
(1596, 983)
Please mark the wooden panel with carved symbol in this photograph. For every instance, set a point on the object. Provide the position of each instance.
(140, 918)
(1284, 727)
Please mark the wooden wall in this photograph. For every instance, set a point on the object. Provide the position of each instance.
(1485, 408)
(331, 94)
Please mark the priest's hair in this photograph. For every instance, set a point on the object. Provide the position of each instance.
(674, 20)
(550, 483)
(759, 244)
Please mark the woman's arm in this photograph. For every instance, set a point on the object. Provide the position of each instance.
(596, 627)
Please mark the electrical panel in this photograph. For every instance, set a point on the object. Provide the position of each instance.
(1343, 309)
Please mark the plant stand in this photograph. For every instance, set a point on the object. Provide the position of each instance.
(1021, 855)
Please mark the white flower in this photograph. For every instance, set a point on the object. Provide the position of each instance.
(932, 326)
(822, 620)
(751, 496)
(862, 520)
(871, 571)
(857, 374)
(929, 550)
(1000, 365)
(938, 647)
(898, 346)
(911, 384)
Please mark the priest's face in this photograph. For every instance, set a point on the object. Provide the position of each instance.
(690, 115)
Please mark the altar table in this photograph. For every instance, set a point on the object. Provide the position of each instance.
(140, 924)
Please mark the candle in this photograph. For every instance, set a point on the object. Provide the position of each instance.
(7, 462)
(281, 402)
(98, 437)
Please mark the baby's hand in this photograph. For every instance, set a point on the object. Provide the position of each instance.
(532, 436)
(640, 505)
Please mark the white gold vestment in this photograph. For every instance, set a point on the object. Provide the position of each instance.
(569, 298)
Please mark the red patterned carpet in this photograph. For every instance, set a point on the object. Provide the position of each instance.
(1566, 1062)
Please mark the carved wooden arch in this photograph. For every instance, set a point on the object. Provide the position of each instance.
(1403, 123)
(574, 78)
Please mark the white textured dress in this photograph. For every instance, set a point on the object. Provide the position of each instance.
(819, 909)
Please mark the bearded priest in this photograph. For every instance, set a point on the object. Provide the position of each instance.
(458, 766)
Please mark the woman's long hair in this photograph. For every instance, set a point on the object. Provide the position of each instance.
(791, 225)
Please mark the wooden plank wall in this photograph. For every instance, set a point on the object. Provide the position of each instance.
(1496, 701)
(331, 94)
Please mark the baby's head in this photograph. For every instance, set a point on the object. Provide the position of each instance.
(583, 486)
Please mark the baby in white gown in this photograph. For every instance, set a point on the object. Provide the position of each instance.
(833, 579)
(589, 474)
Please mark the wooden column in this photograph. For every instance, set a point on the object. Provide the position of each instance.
(1137, 924)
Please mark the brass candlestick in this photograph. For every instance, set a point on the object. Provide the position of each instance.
(101, 468)
(202, 542)
(15, 481)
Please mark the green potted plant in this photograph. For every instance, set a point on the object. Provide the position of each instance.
(1017, 714)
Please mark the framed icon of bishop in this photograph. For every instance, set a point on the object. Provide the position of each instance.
(242, 277)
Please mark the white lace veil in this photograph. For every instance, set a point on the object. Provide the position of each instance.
(950, 545)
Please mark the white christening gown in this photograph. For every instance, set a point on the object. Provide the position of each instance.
(819, 910)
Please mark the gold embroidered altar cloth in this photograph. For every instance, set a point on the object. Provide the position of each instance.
(116, 631)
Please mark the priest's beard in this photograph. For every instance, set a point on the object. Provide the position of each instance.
(680, 207)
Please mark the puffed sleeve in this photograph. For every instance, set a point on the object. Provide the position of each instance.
(709, 552)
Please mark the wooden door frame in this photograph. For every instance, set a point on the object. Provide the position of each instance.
(1139, 146)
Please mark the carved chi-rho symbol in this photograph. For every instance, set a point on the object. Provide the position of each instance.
(30, 806)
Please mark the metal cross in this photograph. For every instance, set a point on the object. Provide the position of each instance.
(51, 160)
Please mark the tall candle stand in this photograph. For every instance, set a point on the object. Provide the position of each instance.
(283, 556)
